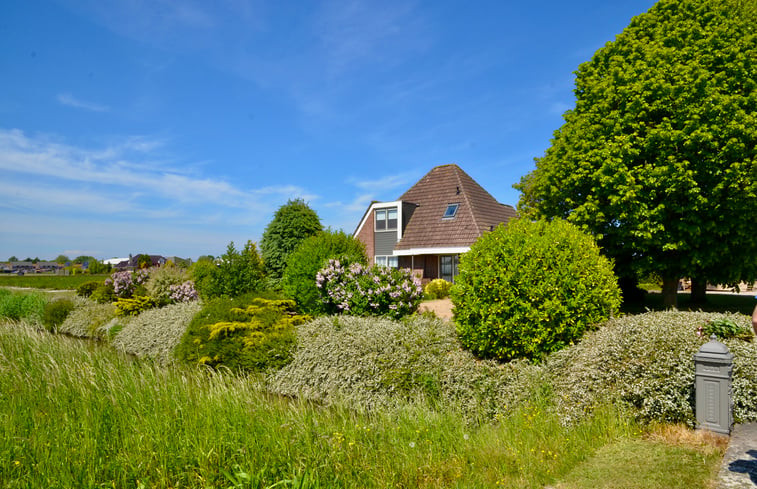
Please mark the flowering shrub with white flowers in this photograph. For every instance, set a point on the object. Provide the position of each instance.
(368, 291)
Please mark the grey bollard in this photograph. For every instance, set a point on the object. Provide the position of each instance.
(714, 406)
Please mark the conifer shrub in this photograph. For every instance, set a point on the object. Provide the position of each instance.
(244, 334)
(437, 289)
(311, 255)
(55, 313)
(235, 273)
(531, 288)
(132, 306)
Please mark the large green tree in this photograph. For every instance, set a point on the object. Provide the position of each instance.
(658, 156)
(311, 255)
(292, 223)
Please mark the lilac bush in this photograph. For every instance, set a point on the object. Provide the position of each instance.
(123, 284)
(184, 292)
(368, 291)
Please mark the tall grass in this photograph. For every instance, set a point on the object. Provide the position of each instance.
(73, 414)
(22, 305)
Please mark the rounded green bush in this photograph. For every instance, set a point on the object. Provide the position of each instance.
(87, 288)
(55, 313)
(531, 288)
(158, 286)
(104, 294)
(437, 289)
(311, 255)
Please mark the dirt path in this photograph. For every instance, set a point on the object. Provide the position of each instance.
(441, 307)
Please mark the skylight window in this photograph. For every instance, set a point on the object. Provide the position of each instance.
(451, 211)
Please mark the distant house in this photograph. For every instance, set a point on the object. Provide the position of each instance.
(431, 224)
(132, 263)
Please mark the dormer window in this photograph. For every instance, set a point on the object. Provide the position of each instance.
(451, 211)
(386, 219)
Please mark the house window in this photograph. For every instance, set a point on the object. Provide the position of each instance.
(451, 211)
(386, 219)
(448, 267)
(386, 261)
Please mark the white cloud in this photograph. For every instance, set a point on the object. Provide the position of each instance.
(46, 176)
(71, 101)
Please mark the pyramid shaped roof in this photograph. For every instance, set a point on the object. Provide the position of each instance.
(477, 211)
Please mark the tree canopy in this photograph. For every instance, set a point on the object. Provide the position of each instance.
(292, 223)
(658, 157)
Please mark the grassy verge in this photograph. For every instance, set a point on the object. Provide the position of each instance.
(72, 415)
(59, 282)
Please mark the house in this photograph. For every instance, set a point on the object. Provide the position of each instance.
(431, 224)
(132, 263)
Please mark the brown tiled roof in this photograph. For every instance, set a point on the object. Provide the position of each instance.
(477, 212)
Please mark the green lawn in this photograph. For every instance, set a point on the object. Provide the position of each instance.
(58, 282)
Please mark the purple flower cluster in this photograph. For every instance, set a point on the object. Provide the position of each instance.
(184, 292)
(123, 285)
(368, 291)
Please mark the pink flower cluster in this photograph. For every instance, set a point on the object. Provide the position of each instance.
(184, 292)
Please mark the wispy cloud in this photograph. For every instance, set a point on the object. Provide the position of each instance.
(121, 179)
(71, 101)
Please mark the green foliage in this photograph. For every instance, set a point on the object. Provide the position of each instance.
(144, 261)
(104, 294)
(248, 334)
(91, 320)
(98, 267)
(55, 313)
(531, 288)
(437, 289)
(658, 157)
(646, 361)
(725, 328)
(132, 306)
(293, 222)
(375, 362)
(158, 286)
(235, 273)
(156, 332)
(311, 255)
(22, 305)
(88, 288)
(62, 259)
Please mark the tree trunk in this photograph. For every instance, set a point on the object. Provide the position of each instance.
(670, 291)
(698, 290)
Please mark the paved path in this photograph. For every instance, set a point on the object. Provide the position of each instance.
(739, 470)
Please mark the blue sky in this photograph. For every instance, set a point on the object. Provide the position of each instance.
(174, 127)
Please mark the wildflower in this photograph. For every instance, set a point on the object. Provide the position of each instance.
(412, 444)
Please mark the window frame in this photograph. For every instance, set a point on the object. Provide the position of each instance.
(389, 224)
(454, 206)
(384, 260)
